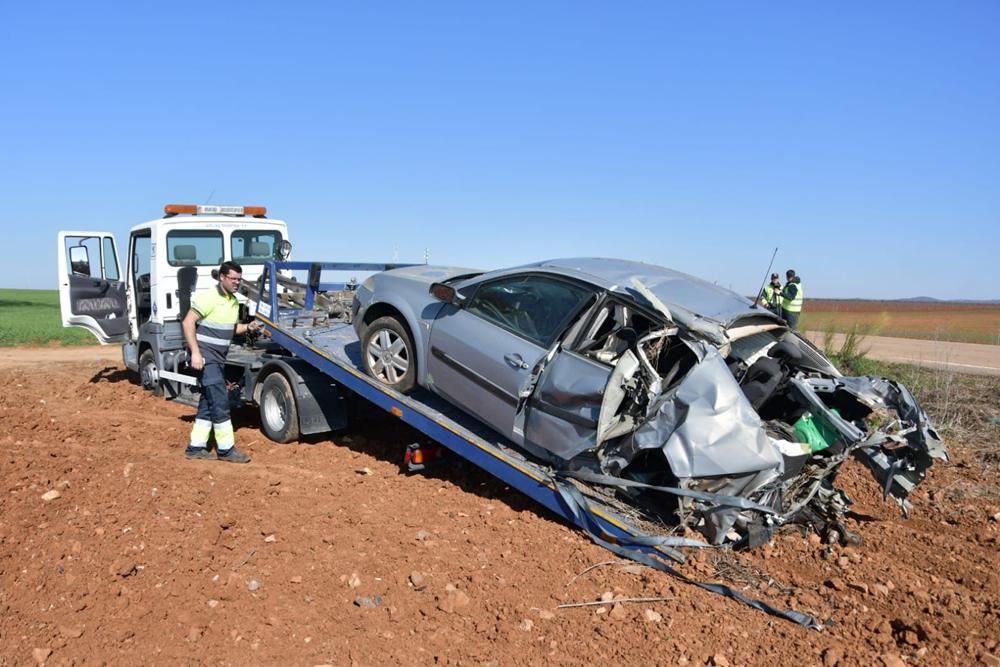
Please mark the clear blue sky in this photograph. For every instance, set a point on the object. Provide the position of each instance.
(861, 138)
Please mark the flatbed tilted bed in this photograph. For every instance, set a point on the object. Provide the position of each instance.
(333, 348)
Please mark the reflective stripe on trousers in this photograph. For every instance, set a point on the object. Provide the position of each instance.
(199, 432)
(225, 436)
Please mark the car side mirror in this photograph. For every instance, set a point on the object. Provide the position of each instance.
(447, 294)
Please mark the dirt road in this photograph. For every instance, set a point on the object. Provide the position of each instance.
(114, 549)
(958, 357)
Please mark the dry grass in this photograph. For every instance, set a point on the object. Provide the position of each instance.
(963, 408)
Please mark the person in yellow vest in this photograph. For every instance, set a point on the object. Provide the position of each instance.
(208, 328)
(770, 296)
(792, 297)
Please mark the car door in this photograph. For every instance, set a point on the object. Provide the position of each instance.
(483, 352)
(562, 414)
(580, 389)
(91, 291)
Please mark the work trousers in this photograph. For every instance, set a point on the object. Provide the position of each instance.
(214, 403)
(213, 411)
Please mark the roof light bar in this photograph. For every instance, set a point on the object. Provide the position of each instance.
(213, 209)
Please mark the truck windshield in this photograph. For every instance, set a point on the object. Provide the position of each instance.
(254, 247)
(188, 247)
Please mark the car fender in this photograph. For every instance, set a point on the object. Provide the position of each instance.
(417, 313)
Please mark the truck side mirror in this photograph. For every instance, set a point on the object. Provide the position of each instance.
(79, 260)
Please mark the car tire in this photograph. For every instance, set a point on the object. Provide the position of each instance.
(388, 355)
(279, 413)
(147, 373)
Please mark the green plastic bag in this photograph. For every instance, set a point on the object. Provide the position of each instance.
(809, 431)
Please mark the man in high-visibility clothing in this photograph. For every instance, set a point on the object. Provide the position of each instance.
(770, 296)
(208, 329)
(792, 297)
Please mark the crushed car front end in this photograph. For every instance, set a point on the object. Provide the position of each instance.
(733, 425)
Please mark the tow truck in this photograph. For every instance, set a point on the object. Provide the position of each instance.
(168, 260)
(309, 360)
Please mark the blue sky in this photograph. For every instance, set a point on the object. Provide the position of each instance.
(862, 139)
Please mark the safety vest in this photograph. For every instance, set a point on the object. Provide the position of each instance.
(219, 313)
(770, 296)
(794, 305)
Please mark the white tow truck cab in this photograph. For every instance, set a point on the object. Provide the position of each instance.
(168, 260)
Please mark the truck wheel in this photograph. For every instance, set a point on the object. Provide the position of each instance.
(279, 415)
(147, 373)
(388, 354)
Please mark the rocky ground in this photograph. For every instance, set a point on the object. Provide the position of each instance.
(115, 549)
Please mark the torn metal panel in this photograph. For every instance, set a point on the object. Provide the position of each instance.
(562, 412)
(705, 428)
(896, 396)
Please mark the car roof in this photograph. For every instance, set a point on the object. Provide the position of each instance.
(672, 287)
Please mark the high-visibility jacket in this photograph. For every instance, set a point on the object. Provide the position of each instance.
(219, 312)
(793, 305)
(770, 296)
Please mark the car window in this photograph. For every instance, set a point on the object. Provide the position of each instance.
(536, 307)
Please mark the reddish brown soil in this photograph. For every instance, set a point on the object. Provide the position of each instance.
(146, 558)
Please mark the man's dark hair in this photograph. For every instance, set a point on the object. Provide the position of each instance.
(790, 273)
(228, 267)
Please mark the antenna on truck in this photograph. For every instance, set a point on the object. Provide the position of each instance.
(767, 274)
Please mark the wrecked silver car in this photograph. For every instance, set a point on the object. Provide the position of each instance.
(704, 411)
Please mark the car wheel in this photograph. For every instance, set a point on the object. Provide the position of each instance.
(279, 414)
(147, 373)
(387, 353)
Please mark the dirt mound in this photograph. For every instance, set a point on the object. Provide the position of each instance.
(115, 548)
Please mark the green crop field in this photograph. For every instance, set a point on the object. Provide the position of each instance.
(31, 317)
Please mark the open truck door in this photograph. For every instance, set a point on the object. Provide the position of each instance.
(91, 290)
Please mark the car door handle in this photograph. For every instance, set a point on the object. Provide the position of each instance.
(516, 361)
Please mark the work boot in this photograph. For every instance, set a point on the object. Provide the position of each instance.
(233, 455)
(198, 453)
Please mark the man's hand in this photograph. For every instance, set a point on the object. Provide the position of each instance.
(197, 361)
(249, 327)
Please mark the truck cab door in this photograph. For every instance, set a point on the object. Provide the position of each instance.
(91, 290)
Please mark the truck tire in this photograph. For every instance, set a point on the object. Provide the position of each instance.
(279, 414)
(147, 373)
(387, 354)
